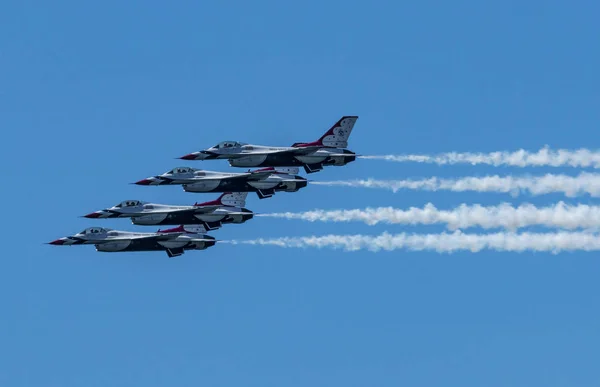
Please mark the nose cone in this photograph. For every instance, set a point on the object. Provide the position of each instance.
(93, 215)
(57, 242)
(190, 156)
(144, 182)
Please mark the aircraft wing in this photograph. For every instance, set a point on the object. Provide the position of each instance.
(158, 237)
(290, 151)
(255, 175)
(195, 210)
(259, 175)
(203, 209)
(305, 150)
(240, 176)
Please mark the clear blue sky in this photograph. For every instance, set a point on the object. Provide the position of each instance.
(95, 96)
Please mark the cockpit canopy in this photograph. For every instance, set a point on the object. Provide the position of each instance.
(129, 203)
(179, 170)
(94, 230)
(228, 144)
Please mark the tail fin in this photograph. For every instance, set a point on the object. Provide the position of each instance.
(337, 136)
(233, 199)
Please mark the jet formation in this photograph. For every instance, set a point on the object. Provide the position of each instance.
(279, 172)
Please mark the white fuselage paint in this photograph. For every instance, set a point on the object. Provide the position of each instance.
(154, 214)
(248, 161)
(113, 246)
(201, 186)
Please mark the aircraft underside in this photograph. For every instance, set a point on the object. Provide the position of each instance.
(173, 248)
(263, 188)
(165, 219)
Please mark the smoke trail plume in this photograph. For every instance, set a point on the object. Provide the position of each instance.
(443, 243)
(505, 216)
(521, 158)
(571, 186)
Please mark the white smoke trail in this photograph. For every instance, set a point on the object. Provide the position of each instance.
(443, 243)
(559, 215)
(521, 158)
(571, 186)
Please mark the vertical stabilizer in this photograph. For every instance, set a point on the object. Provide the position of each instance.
(336, 137)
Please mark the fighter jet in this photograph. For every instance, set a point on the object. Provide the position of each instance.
(327, 150)
(228, 208)
(174, 241)
(265, 182)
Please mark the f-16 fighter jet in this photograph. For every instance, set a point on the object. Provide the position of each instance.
(327, 150)
(174, 241)
(228, 208)
(265, 182)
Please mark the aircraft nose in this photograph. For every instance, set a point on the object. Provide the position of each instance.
(92, 215)
(57, 242)
(143, 182)
(190, 156)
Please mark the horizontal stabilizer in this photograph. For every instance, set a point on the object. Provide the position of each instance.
(232, 199)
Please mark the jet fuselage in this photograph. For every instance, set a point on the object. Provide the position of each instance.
(233, 215)
(152, 245)
(264, 182)
(173, 241)
(320, 158)
(272, 184)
